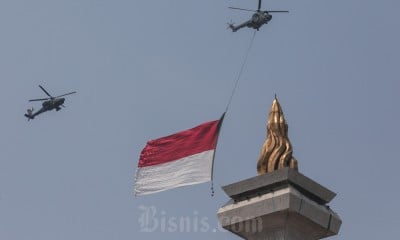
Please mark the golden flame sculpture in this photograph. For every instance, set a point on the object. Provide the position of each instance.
(276, 152)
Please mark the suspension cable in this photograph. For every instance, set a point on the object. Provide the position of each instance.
(241, 71)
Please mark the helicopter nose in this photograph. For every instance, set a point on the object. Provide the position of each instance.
(62, 100)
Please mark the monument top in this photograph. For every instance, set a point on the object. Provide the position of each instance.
(276, 152)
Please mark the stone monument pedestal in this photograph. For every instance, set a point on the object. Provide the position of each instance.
(281, 205)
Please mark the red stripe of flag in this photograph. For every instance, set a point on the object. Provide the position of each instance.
(179, 145)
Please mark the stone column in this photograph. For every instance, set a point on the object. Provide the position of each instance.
(281, 205)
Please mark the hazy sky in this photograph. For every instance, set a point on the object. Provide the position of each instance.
(145, 69)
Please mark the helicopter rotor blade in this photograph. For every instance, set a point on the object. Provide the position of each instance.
(243, 9)
(277, 11)
(259, 5)
(44, 90)
(39, 99)
(65, 94)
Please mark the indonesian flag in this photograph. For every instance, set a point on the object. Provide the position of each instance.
(181, 159)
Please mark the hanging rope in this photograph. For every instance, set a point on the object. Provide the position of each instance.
(241, 71)
(231, 97)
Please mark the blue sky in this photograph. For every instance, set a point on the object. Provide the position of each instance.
(146, 69)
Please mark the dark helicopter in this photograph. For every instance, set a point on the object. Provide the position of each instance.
(258, 19)
(49, 103)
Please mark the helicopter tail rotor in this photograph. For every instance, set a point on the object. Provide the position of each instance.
(232, 27)
(29, 114)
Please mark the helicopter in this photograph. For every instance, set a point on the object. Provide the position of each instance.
(48, 104)
(258, 19)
